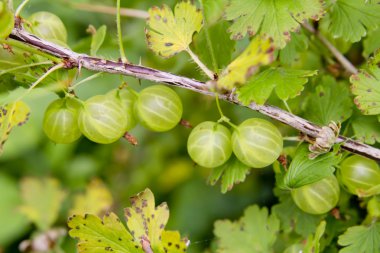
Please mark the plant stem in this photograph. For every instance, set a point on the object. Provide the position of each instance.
(223, 118)
(203, 67)
(208, 40)
(39, 80)
(338, 55)
(20, 7)
(110, 10)
(141, 72)
(287, 106)
(27, 48)
(10, 5)
(25, 66)
(119, 34)
(73, 87)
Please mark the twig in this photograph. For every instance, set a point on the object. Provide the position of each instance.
(119, 34)
(110, 10)
(102, 65)
(338, 55)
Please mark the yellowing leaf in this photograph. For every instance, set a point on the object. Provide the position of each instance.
(42, 200)
(167, 33)
(145, 232)
(259, 52)
(12, 115)
(96, 200)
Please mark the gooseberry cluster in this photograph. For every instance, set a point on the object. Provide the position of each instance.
(106, 118)
(256, 142)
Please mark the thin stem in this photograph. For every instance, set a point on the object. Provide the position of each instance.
(110, 10)
(23, 46)
(25, 66)
(223, 118)
(73, 87)
(119, 34)
(39, 80)
(10, 5)
(203, 67)
(287, 106)
(208, 40)
(20, 7)
(338, 55)
(291, 138)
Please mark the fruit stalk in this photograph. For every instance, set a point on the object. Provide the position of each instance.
(73, 60)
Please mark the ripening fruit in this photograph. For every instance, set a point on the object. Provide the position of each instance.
(102, 119)
(127, 99)
(319, 197)
(60, 122)
(358, 174)
(257, 143)
(209, 144)
(48, 26)
(158, 108)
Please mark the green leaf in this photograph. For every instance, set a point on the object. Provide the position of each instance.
(213, 10)
(313, 244)
(350, 19)
(292, 218)
(145, 233)
(371, 43)
(96, 200)
(259, 52)
(214, 47)
(12, 115)
(366, 87)
(288, 83)
(366, 129)
(303, 171)
(297, 45)
(231, 173)
(6, 20)
(13, 223)
(361, 239)
(42, 200)
(256, 232)
(272, 18)
(167, 33)
(97, 39)
(330, 101)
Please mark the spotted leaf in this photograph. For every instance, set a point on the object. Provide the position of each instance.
(169, 33)
(144, 232)
(366, 87)
(12, 115)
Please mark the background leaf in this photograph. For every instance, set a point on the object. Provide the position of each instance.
(366, 129)
(361, 239)
(330, 101)
(41, 201)
(97, 39)
(350, 19)
(272, 18)
(256, 232)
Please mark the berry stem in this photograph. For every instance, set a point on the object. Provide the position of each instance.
(119, 34)
(203, 67)
(39, 80)
(20, 7)
(73, 87)
(223, 118)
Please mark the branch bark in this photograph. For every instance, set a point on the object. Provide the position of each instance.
(73, 59)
